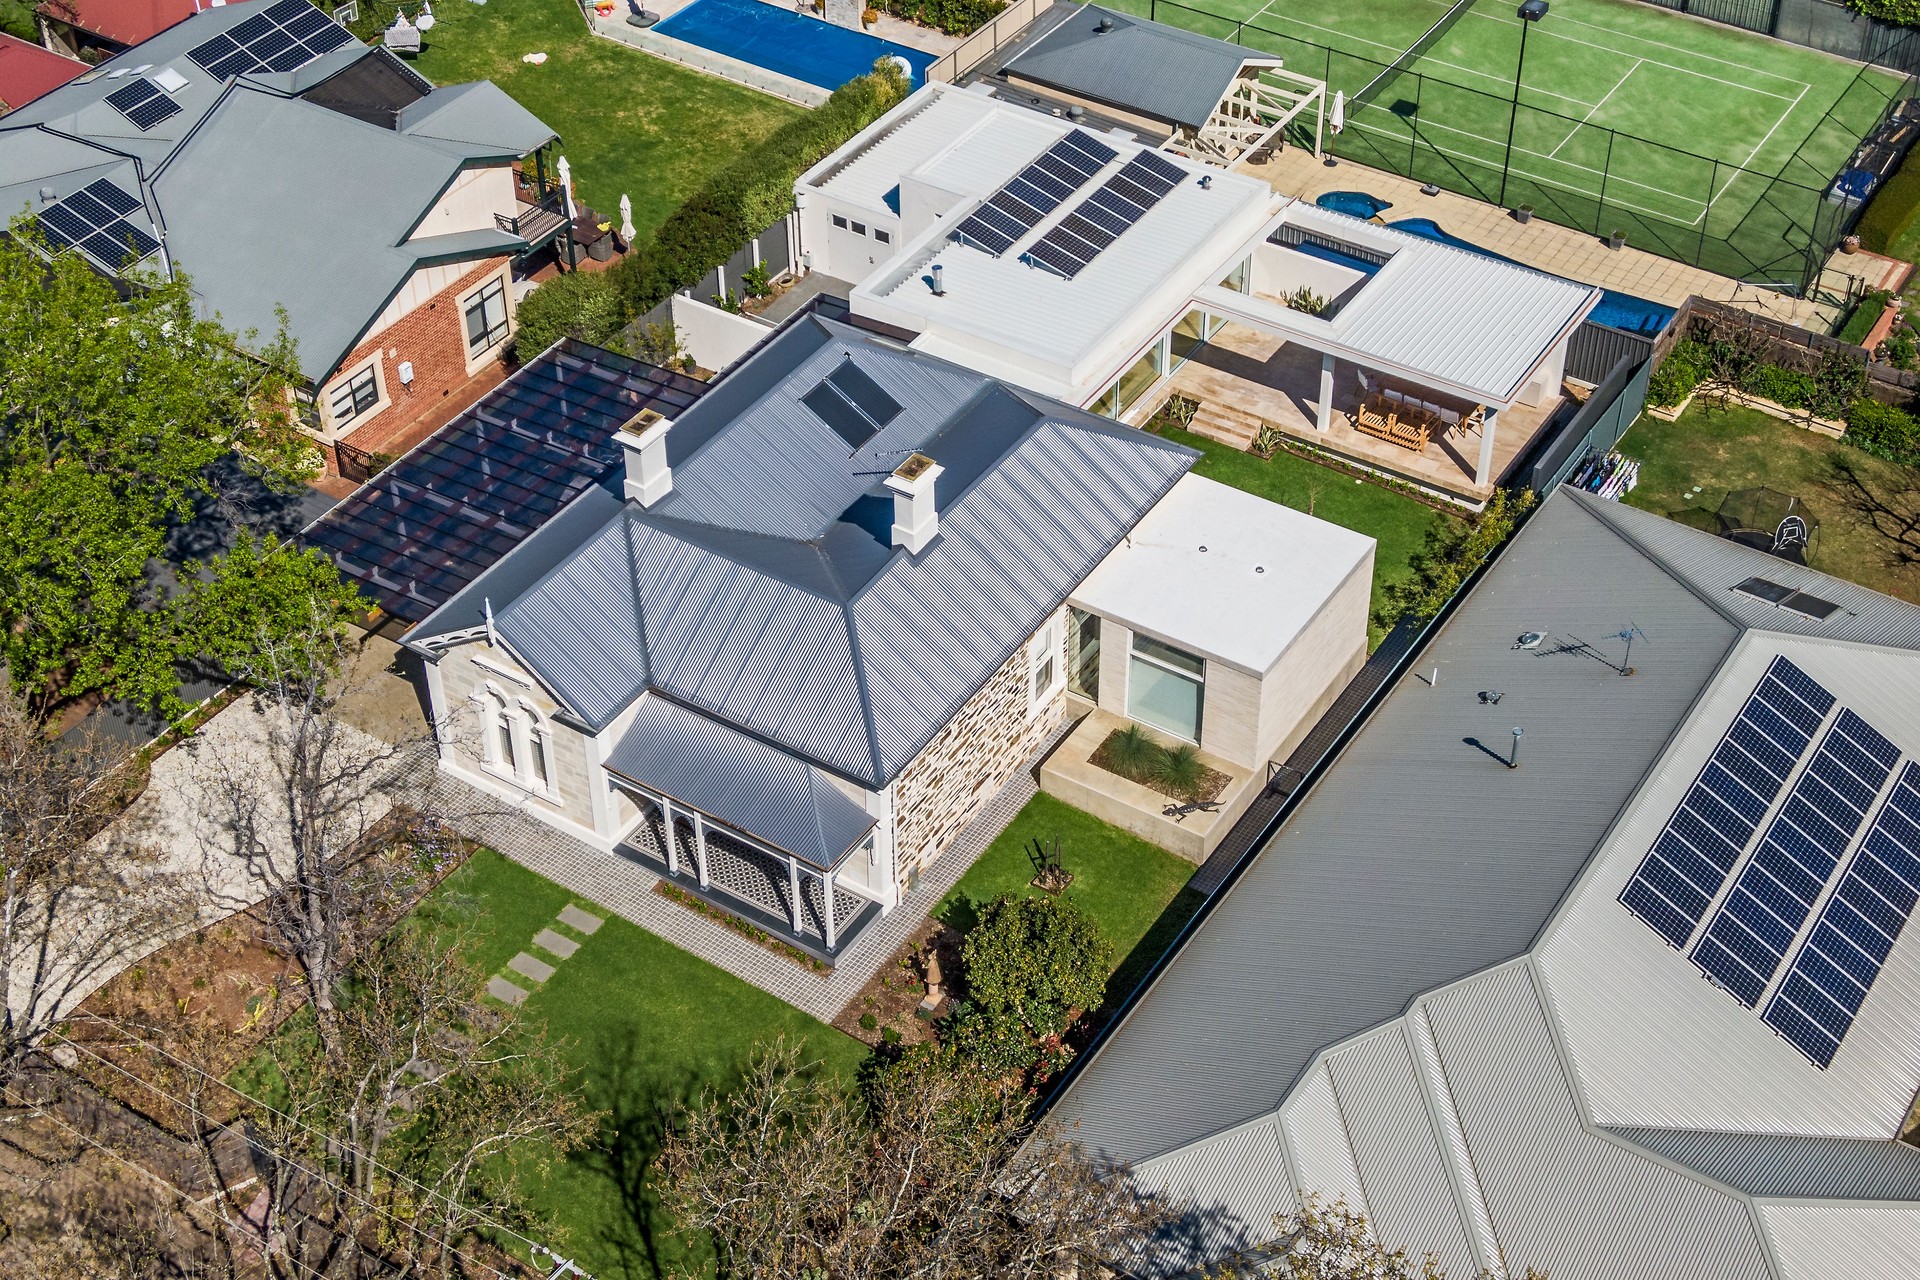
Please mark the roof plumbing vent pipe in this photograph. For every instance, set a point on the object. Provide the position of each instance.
(916, 519)
(1105, 23)
(643, 438)
(1513, 758)
(939, 281)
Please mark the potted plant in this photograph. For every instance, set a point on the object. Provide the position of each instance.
(1616, 238)
(1523, 213)
(1849, 244)
(601, 250)
(868, 17)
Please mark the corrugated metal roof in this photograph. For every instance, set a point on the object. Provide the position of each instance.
(772, 796)
(1148, 68)
(1232, 1186)
(789, 615)
(1874, 1239)
(1565, 1200)
(1790, 1164)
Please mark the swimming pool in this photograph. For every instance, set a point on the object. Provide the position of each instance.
(786, 42)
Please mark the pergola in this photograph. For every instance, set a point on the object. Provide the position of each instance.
(1256, 110)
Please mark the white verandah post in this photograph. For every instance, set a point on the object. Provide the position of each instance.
(1323, 412)
(1485, 467)
(667, 837)
(700, 847)
(826, 897)
(793, 891)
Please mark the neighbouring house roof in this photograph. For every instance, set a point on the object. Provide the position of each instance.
(1424, 994)
(453, 506)
(1229, 574)
(763, 791)
(764, 590)
(1145, 67)
(123, 21)
(271, 189)
(27, 72)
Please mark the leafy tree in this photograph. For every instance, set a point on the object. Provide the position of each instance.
(1032, 965)
(115, 414)
(1901, 13)
(17, 19)
(934, 1172)
(1321, 1241)
(1451, 555)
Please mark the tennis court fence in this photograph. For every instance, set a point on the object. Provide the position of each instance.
(1774, 229)
(1812, 24)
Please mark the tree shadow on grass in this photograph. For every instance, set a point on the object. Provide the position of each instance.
(1891, 508)
(1140, 961)
(639, 1098)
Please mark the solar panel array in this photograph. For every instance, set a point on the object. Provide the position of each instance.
(853, 404)
(143, 104)
(439, 517)
(1775, 892)
(1121, 201)
(290, 34)
(1837, 965)
(94, 220)
(1684, 871)
(1036, 191)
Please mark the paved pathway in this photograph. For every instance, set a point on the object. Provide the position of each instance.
(626, 889)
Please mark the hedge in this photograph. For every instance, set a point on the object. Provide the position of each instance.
(1900, 13)
(1864, 317)
(578, 305)
(1890, 214)
(751, 192)
(1691, 362)
(955, 17)
(1884, 431)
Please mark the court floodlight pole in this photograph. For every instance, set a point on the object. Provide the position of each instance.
(1530, 12)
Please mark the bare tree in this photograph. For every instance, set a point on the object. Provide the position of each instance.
(292, 807)
(935, 1173)
(1332, 1241)
(77, 904)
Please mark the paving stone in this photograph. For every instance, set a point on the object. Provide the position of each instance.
(528, 967)
(582, 921)
(556, 943)
(505, 992)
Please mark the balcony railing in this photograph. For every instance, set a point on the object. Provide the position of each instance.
(536, 223)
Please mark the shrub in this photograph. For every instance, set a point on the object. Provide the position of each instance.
(869, 1023)
(1786, 387)
(1181, 770)
(754, 282)
(1884, 431)
(1864, 317)
(1306, 300)
(749, 193)
(995, 1044)
(1899, 350)
(576, 305)
(1450, 556)
(955, 17)
(1131, 749)
(1683, 369)
(1038, 961)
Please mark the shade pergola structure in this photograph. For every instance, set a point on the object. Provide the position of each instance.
(1769, 520)
(1211, 100)
(745, 826)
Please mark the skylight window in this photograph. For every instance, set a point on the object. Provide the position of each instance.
(1774, 593)
(852, 403)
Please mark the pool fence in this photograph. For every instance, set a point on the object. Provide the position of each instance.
(1006, 25)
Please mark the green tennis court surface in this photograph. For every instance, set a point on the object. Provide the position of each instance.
(1699, 141)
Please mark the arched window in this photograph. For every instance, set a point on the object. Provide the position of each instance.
(516, 740)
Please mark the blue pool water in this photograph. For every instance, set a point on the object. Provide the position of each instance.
(790, 43)
(1616, 310)
(1355, 204)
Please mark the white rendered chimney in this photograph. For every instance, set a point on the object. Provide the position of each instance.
(644, 439)
(916, 520)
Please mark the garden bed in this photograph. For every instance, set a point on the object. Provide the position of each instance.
(1129, 753)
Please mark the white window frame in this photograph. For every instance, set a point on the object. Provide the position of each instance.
(344, 382)
(528, 737)
(1045, 654)
(489, 349)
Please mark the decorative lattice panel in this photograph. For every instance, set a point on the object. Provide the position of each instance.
(747, 873)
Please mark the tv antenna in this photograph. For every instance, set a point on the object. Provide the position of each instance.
(1627, 633)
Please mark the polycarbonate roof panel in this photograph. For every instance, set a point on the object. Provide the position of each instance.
(435, 520)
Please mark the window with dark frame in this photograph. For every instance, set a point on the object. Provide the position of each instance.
(355, 396)
(884, 237)
(839, 222)
(486, 313)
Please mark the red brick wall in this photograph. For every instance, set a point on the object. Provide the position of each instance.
(433, 336)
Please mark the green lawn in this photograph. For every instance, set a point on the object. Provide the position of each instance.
(628, 122)
(1398, 523)
(648, 1024)
(1135, 891)
(1743, 448)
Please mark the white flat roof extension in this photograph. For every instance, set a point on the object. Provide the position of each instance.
(1265, 572)
(945, 135)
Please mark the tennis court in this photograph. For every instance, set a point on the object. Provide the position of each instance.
(1698, 141)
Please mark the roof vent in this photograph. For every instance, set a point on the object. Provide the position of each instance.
(1529, 639)
(643, 438)
(1076, 111)
(1105, 23)
(916, 518)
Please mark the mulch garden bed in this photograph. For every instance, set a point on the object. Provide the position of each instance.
(1212, 781)
(891, 998)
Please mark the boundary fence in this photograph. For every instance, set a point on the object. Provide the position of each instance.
(1773, 229)
(1812, 24)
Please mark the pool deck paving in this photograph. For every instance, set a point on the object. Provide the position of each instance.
(1547, 246)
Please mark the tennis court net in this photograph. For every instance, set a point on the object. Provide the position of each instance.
(1398, 67)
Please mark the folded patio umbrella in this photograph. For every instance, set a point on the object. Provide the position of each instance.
(626, 218)
(566, 186)
(1337, 121)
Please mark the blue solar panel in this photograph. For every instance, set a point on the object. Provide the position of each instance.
(1774, 893)
(1034, 192)
(1120, 202)
(1838, 963)
(1690, 861)
(435, 520)
(288, 35)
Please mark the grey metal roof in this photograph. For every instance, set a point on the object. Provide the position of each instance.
(264, 199)
(781, 608)
(768, 793)
(1790, 1164)
(1417, 859)
(1140, 66)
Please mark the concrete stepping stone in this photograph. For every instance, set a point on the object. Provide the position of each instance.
(528, 967)
(558, 944)
(505, 992)
(574, 918)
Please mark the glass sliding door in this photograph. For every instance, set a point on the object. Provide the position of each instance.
(1083, 653)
